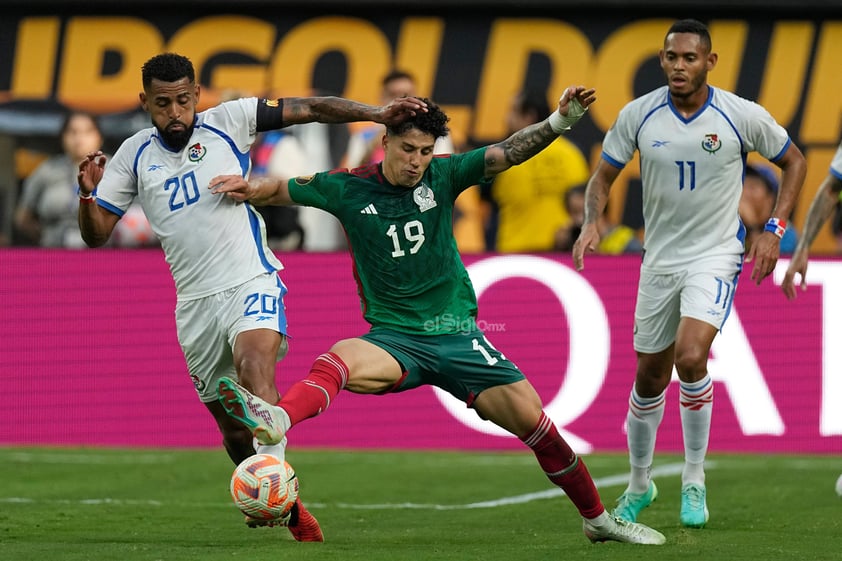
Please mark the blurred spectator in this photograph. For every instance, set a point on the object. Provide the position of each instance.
(324, 145)
(614, 239)
(280, 153)
(365, 146)
(289, 152)
(46, 213)
(760, 191)
(526, 202)
(294, 151)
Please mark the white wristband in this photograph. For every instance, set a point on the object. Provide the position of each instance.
(557, 123)
(563, 123)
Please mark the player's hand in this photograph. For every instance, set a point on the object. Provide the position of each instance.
(764, 252)
(798, 265)
(587, 242)
(234, 187)
(400, 110)
(572, 105)
(575, 101)
(90, 172)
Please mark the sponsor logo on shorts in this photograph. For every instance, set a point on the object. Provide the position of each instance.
(200, 384)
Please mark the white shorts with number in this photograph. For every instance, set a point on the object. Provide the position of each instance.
(208, 327)
(703, 291)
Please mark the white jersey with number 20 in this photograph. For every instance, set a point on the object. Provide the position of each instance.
(211, 242)
(692, 171)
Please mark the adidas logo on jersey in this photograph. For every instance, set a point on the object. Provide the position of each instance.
(369, 210)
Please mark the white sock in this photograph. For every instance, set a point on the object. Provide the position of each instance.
(642, 421)
(277, 450)
(696, 399)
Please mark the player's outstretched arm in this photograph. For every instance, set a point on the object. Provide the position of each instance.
(262, 191)
(95, 223)
(596, 197)
(330, 109)
(820, 211)
(527, 142)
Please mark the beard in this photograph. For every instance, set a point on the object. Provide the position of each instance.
(176, 140)
(694, 86)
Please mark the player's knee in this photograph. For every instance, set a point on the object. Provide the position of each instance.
(690, 362)
(651, 383)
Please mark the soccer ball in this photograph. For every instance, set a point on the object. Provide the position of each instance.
(839, 486)
(133, 229)
(264, 487)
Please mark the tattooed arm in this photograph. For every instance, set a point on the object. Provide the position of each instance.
(329, 109)
(820, 210)
(530, 140)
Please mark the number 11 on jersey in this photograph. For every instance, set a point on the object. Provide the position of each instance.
(686, 174)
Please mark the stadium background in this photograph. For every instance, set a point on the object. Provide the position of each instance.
(87, 339)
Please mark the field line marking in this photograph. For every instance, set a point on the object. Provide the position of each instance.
(611, 480)
(608, 481)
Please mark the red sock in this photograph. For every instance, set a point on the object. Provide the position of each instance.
(563, 467)
(312, 395)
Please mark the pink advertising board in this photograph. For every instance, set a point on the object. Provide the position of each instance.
(89, 356)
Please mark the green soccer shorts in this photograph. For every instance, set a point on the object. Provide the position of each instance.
(463, 364)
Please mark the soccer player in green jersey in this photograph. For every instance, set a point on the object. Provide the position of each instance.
(418, 297)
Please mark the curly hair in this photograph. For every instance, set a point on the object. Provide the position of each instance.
(167, 67)
(433, 122)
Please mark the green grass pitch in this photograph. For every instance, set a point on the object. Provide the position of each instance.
(75, 504)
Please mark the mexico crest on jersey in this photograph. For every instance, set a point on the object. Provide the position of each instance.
(711, 143)
(196, 152)
(423, 197)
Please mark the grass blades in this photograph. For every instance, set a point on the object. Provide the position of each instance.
(149, 505)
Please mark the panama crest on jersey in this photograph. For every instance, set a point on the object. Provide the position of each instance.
(711, 143)
(423, 197)
(196, 152)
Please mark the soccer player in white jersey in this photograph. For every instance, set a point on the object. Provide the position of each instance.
(230, 311)
(823, 205)
(693, 140)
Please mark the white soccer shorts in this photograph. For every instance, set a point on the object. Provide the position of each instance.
(703, 291)
(208, 327)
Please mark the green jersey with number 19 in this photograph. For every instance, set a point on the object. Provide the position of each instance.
(409, 274)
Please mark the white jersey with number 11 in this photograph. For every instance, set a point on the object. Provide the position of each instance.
(692, 171)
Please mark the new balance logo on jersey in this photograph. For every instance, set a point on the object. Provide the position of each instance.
(659, 143)
(369, 210)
